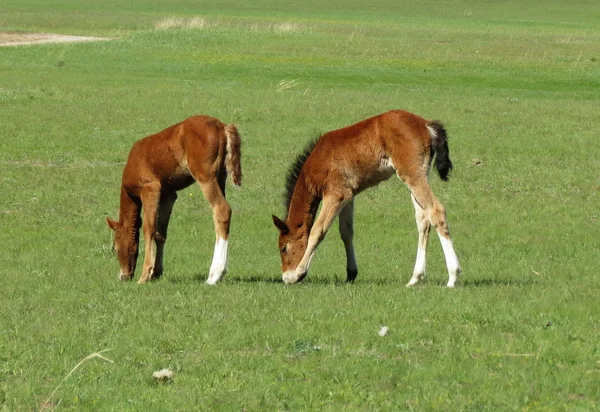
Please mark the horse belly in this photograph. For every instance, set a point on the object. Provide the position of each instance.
(360, 180)
(377, 176)
(179, 180)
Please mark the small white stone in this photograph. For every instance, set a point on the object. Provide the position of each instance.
(163, 374)
(384, 331)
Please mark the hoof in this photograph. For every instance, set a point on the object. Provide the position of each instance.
(351, 275)
(215, 275)
(212, 280)
(156, 274)
(416, 279)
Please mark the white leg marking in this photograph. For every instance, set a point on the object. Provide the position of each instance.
(419, 272)
(218, 266)
(451, 261)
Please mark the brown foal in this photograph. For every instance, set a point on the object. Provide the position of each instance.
(344, 162)
(201, 149)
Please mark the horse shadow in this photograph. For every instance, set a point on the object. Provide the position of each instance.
(493, 282)
(341, 281)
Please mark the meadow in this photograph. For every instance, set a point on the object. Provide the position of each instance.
(517, 86)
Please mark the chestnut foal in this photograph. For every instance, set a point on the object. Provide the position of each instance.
(344, 162)
(201, 149)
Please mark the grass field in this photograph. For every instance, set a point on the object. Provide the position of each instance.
(517, 86)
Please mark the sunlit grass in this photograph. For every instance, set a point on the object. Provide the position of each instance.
(519, 97)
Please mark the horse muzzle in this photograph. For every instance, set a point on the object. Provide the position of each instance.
(291, 277)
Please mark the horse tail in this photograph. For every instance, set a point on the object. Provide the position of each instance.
(439, 148)
(233, 159)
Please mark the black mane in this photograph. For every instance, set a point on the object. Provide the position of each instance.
(294, 172)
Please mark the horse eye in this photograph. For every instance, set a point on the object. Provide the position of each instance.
(283, 249)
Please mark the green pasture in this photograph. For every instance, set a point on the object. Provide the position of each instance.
(517, 86)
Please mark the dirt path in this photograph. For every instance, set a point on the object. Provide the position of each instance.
(18, 39)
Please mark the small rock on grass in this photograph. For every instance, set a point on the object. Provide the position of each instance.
(384, 331)
(163, 375)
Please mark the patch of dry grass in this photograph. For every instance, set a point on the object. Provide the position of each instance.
(287, 27)
(287, 84)
(183, 23)
(19, 39)
(280, 27)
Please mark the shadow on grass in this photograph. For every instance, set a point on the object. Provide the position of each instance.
(317, 280)
(253, 279)
(256, 279)
(201, 278)
(365, 280)
(468, 283)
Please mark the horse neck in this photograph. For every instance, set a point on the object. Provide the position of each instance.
(303, 207)
(129, 213)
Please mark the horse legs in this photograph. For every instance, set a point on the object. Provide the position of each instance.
(346, 220)
(150, 196)
(164, 214)
(423, 227)
(214, 193)
(436, 215)
(332, 205)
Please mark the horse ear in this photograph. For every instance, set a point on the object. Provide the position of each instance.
(281, 225)
(112, 224)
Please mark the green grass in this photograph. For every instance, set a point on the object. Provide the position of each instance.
(517, 86)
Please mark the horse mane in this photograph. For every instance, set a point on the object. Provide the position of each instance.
(294, 172)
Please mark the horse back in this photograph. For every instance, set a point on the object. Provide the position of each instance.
(164, 157)
(364, 154)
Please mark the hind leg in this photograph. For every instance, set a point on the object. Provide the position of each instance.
(209, 171)
(164, 214)
(222, 218)
(346, 220)
(436, 215)
(423, 227)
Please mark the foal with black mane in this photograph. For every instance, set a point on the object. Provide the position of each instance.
(344, 162)
(200, 149)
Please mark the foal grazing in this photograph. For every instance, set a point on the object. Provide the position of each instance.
(201, 149)
(344, 162)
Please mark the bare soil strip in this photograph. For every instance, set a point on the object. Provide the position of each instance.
(19, 39)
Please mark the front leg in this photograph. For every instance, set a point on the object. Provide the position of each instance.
(150, 197)
(332, 204)
(347, 234)
(423, 227)
(164, 214)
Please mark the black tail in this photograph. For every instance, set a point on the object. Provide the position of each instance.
(439, 147)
